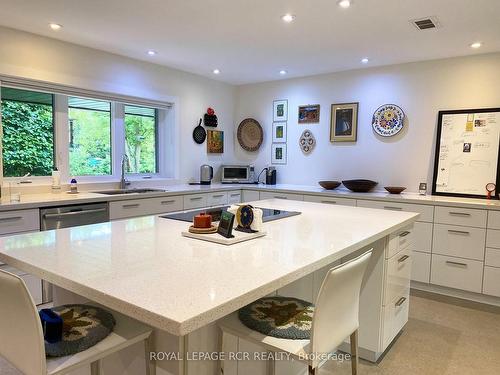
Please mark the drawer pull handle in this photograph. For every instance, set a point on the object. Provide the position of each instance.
(10, 219)
(400, 301)
(404, 234)
(218, 196)
(195, 198)
(235, 195)
(458, 232)
(403, 258)
(393, 208)
(135, 205)
(168, 202)
(280, 197)
(329, 202)
(465, 214)
(456, 263)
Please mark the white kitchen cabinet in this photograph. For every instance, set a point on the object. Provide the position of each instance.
(398, 274)
(250, 195)
(493, 238)
(492, 257)
(218, 198)
(278, 195)
(396, 316)
(426, 212)
(143, 207)
(400, 240)
(19, 221)
(458, 273)
(421, 267)
(192, 201)
(461, 216)
(330, 200)
(491, 284)
(422, 235)
(458, 241)
(494, 219)
(234, 197)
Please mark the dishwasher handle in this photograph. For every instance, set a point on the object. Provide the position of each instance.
(74, 213)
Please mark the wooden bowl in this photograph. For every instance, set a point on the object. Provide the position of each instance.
(329, 185)
(360, 186)
(395, 189)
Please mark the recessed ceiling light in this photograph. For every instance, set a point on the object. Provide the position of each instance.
(365, 60)
(344, 3)
(476, 45)
(151, 52)
(55, 26)
(283, 72)
(216, 71)
(288, 18)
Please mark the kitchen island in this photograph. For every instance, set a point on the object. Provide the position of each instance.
(144, 268)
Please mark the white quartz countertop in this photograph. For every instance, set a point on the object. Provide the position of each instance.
(144, 268)
(48, 199)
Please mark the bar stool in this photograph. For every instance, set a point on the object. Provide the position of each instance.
(22, 343)
(336, 317)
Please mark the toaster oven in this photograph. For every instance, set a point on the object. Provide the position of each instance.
(238, 174)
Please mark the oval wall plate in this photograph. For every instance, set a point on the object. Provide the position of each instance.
(307, 141)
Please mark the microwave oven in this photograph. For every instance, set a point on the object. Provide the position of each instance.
(238, 174)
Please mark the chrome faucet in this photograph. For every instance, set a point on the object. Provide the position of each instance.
(123, 181)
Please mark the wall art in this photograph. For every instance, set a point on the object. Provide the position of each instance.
(278, 155)
(307, 141)
(388, 120)
(280, 110)
(308, 114)
(250, 135)
(279, 132)
(215, 142)
(344, 122)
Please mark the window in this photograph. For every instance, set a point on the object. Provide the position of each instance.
(89, 137)
(140, 138)
(28, 132)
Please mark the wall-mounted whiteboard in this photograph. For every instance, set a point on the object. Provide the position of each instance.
(467, 152)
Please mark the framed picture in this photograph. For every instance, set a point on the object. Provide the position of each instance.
(308, 114)
(278, 153)
(344, 122)
(279, 132)
(215, 141)
(280, 110)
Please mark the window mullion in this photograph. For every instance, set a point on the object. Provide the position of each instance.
(61, 143)
(117, 137)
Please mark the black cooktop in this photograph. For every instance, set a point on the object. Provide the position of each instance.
(268, 214)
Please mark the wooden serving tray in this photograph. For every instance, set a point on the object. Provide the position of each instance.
(217, 238)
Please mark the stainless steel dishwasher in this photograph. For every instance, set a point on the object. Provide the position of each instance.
(70, 216)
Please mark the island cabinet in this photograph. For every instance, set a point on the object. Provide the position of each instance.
(18, 222)
(491, 277)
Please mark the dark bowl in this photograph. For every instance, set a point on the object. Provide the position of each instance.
(395, 189)
(329, 185)
(360, 186)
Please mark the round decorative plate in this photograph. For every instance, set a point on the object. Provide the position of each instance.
(244, 216)
(199, 134)
(388, 120)
(307, 141)
(250, 135)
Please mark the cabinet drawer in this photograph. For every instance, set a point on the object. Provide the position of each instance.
(492, 257)
(19, 221)
(396, 316)
(421, 267)
(195, 201)
(461, 216)
(165, 204)
(330, 200)
(217, 199)
(463, 242)
(398, 274)
(457, 273)
(494, 219)
(422, 237)
(234, 197)
(426, 212)
(491, 284)
(276, 195)
(250, 195)
(493, 238)
(400, 240)
(128, 208)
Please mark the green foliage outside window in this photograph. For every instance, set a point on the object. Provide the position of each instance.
(140, 143)
(28, 139)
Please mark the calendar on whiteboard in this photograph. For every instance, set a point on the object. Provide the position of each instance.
(467, 152)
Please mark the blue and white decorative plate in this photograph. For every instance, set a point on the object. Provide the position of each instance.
(388, 120)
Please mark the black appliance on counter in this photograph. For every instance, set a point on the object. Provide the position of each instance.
(271, 176)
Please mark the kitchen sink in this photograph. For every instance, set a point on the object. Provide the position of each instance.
(129, 191)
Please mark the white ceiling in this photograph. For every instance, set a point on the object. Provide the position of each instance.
(248, 41)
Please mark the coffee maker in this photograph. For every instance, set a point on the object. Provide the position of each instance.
(271, 176)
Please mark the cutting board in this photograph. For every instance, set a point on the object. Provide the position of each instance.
(217, 238)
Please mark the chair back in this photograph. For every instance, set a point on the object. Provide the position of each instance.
(336, 314)
(21, 335)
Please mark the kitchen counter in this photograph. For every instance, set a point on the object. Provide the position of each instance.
(49, 199)
(144, 268)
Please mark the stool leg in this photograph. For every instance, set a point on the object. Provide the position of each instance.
(312, 371)
(354, 352)
(95, 368)
(150, 363)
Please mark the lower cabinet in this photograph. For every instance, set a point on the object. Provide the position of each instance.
(234, 197)
(421, 267)
(277, 195)
(250, 195)
(458, 273)
(142, 207)
(396, 316)
(330, 200)
(491, 283)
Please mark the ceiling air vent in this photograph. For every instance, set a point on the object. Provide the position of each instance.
(425, 23)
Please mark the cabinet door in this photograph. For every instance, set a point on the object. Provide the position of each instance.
(457, 273)
(330, 200)
(250, 196)
(422, 234)
(193, 201)
(276, 195)
(218, 198)
(458, 241)
(421, 267)
(234, 197)
(461, 216)
(491, 285)
(19, 221)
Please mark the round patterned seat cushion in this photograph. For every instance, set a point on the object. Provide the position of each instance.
(83, 327)
(281, 317)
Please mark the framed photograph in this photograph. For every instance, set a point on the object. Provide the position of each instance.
(280, 110)
(279, 132)
(308, 114)
(215, 141)
(344, 122)
(278, 153)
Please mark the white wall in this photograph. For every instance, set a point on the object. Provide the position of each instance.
(421, 89)
(35, 57)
